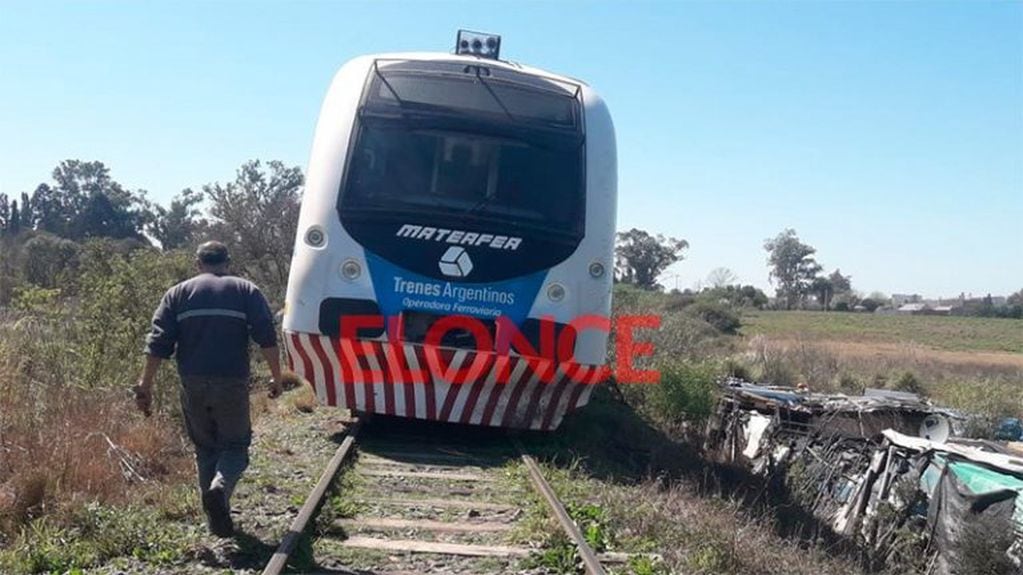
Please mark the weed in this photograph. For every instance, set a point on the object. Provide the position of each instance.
(558, 557)
(907, 382)
(687, 392)
(850, 384)
(645, 565)
(735, 367)
(90, 536)
(593, 522)
(343, 502)
(713, 557)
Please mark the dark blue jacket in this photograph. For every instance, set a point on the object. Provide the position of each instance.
(208, 320)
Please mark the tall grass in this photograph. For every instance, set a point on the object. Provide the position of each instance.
(69, 434)
(985, 393)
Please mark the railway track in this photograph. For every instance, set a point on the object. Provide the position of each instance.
(421, 498)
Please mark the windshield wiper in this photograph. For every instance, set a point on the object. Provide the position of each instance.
(492, 93)
(376, 70)
(478, 206)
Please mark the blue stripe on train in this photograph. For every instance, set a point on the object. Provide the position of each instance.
(398, 289)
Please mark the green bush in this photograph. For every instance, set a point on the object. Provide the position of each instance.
(717, 314)
(849, 384)
(908, 382)
(686, 392)
(34, 299)
(733, 367)
(118, 294)
(986, 400)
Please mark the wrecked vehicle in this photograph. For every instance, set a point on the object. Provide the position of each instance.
(883, 468)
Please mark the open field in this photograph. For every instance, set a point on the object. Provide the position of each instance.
(972, 364)
(956, 334)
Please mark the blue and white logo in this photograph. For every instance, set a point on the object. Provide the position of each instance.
(398, 289)
(455, 262)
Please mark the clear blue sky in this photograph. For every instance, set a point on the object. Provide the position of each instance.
(888, 134)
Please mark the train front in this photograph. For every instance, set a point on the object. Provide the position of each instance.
(453, 259)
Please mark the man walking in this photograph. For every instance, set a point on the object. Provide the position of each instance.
(208, 320)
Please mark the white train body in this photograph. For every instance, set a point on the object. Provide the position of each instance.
(442, 185)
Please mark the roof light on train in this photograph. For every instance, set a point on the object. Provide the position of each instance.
(597, 270)
(478, 44)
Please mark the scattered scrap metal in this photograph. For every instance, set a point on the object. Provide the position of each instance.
(883, 468)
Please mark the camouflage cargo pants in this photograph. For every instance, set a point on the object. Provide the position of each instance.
(216, 411)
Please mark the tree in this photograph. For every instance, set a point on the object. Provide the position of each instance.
(1014, 305)
(177, 226)
(53, 210)
(27, 217)
(753, 297)
(85, 202)
(14, 223)
(736, 295)
(871, 304)
(5, 214)
(721, 277)
(48, 261)
(840, 283)
(641, 257)
(256, 215)
(792, 266)
(824, 290)
(1015, 299)
(880, 297)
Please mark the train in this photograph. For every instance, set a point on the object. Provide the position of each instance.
(453, 259)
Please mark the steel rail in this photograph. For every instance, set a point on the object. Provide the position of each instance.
(298, 525)
(589, 558)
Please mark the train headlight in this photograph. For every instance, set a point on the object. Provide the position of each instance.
(315, 237)
(597, 270)
(351, 270)
(478, 44)
(556, 292)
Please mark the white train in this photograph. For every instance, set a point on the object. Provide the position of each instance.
(458, 218)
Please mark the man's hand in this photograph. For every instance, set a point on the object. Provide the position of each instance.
(144, 390)
(274, 388)
(143, 399)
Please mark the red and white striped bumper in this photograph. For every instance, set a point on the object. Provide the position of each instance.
(457, 386)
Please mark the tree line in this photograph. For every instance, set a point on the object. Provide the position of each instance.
(44, 233)
(641, 257)
(799, 279)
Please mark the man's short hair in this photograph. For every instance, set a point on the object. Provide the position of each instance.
(212, 254)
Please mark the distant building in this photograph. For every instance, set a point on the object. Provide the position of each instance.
(924, 309)
(912, 308)
(901, 299)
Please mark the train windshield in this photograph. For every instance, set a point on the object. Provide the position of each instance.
(455, 144)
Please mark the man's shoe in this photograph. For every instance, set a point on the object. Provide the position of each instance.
(214, 502)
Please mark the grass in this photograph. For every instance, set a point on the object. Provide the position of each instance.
(974, 334)
(971, 364)
(671, 528)
(634, 484)
(92, 534)
(86, 481)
